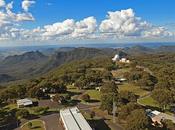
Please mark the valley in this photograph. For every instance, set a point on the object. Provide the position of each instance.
(88, 79)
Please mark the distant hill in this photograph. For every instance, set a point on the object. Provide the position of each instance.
(6, 78)
(36, 63)
(61, 57)
(138, 49)
(146, 50)
(166, 49)
(26, 57)
(23, 66)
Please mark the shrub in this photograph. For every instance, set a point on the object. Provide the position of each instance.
(22, 113)
(85, 97)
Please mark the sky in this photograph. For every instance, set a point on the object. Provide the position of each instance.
(38, 22)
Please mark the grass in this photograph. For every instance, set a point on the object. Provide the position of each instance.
(120, 72)
(11, 106)
(132, 88)
(94, 94)
(148, 101)
(36, 125)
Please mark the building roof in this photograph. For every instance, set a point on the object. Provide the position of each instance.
(24, 102)
(73, 119)
(155, 112)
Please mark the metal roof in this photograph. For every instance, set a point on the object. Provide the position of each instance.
(73, 119)
(155, 112)
(24, 102)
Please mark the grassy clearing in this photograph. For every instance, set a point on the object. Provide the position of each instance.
(94, 94)
(11, 106)
(132, 88)
(36, 125)
(120, 72)
(148, 101)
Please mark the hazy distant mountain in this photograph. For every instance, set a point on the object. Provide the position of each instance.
(61, 57)
(138, 49)
(142, 49)
(6, 78)
(166, 49)
(23, 66)
(26, 57)
(35, 63)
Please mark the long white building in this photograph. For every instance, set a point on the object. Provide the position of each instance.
(72, 119)
(24, 102)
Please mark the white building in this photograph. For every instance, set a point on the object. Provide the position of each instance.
(24, 102)
(124, 60)
(72, 119)
(115, 58)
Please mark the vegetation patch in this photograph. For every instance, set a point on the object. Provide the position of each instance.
(132, 88)
(33, 125)
(94, 94)
(148, 101)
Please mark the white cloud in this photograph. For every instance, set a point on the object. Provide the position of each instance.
(85, 27)
(157, 32)
(26, 4)
(2, 3)
(119, 25)
(10, 20)
(61, 28)
(70, 29)
(123, 23)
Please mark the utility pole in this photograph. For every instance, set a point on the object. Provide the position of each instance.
(114, 109)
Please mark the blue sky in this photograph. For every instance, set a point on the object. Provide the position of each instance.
(158, 15)
(49, 11)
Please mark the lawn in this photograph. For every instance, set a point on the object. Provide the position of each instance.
(11, 106)
(36, 125)
(94, 94)
(120, 72)
(148, 101)
(133, 88)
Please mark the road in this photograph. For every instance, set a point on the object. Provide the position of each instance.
(52, 122)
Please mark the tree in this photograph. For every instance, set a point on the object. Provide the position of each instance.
(168, 125)
(92, 114)
(109, 94)
(80, 83)
(29, 124)
(107, 75)
(138, 120)
(126, 110)
(165, 99)
(6, 116)
(59, 99)
(127, 97)
(85, 97)
(22, 113)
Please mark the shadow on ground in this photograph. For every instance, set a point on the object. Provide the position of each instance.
(99, 124)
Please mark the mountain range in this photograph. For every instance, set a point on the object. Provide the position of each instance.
(36, 63)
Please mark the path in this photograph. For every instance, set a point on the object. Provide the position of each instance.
(52, 122)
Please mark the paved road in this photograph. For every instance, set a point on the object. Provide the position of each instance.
(52, 122)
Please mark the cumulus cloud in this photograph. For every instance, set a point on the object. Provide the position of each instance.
(10, 20)
(123, 23)
(117, 25)
(71, 29)
(26, 4)
(157, 32)
(85, 27)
